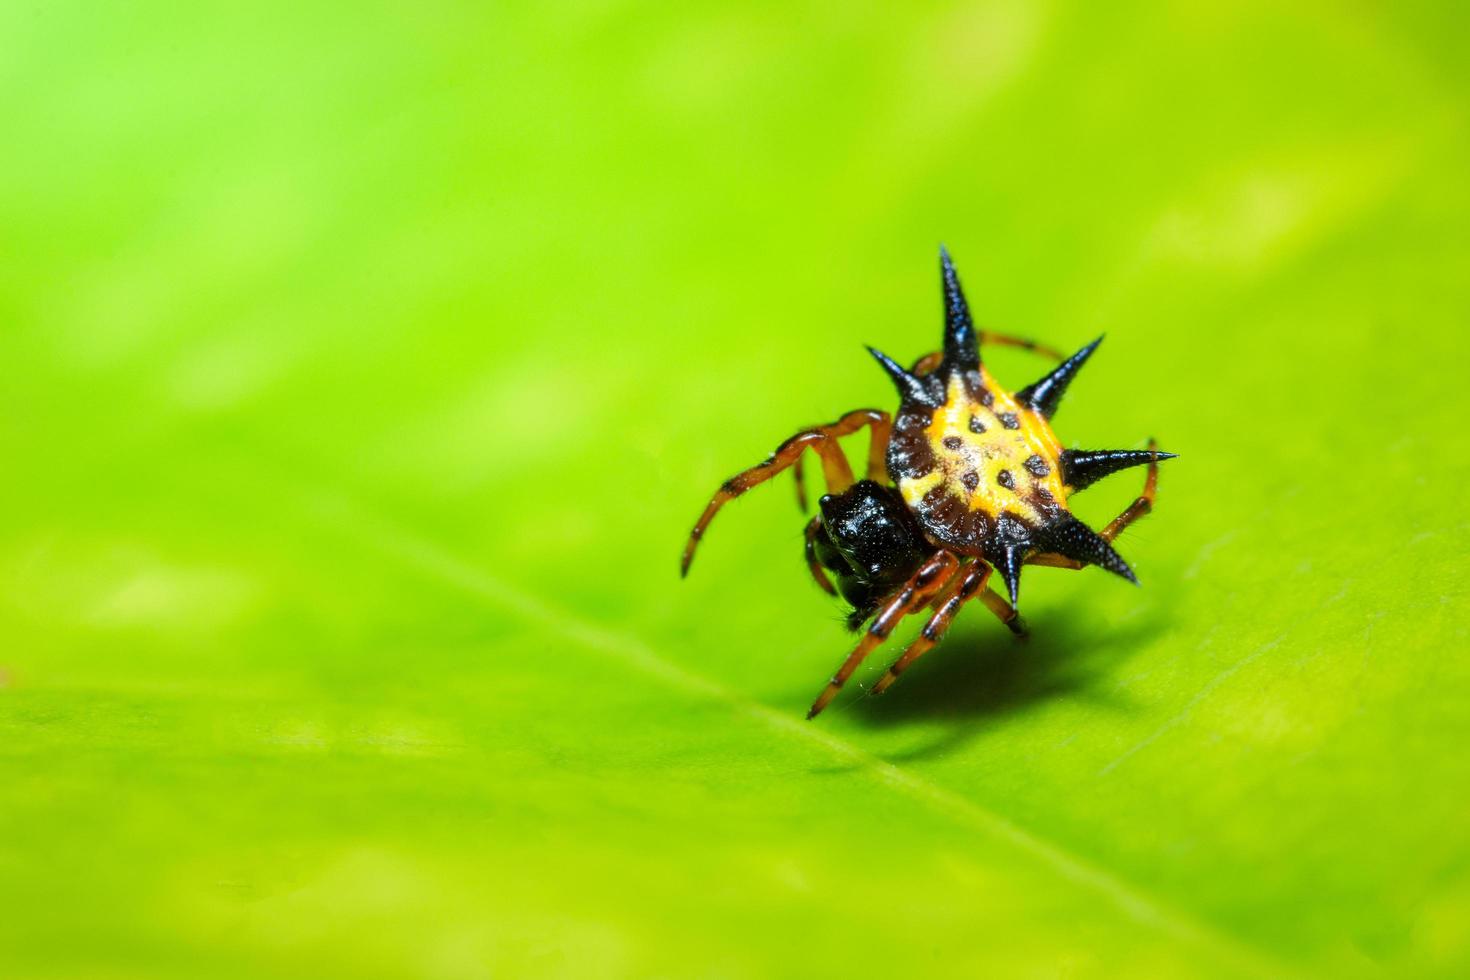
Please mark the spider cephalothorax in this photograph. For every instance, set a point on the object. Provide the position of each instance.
(977, 482)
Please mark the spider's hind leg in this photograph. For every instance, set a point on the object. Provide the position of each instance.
(927, 363)
(1025, 343)
(1005, 612)
(1142, 505)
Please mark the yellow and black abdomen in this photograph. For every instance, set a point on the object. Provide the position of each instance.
(975, 464)
(980, 466)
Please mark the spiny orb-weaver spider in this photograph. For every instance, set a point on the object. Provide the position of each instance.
(976, 483)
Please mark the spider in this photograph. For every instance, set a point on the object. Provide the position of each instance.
(965, 481)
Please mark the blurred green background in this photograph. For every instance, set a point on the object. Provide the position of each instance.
(363, 368)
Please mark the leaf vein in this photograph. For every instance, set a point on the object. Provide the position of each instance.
(429, 558)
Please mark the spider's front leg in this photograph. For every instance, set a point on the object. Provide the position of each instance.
(813, 563)
(877, 450)
(823, 441)
(996, 603)
(931, 577)
(967, 584)
(972, 580)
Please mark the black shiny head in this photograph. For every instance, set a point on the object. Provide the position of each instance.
(871, 543)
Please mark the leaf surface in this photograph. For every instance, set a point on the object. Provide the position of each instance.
(363, 372)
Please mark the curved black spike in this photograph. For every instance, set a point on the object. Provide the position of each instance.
(961, 345)
(1046, 394)
(1070, 538)
(1081, 468)
(910, 388)
(1009, 567)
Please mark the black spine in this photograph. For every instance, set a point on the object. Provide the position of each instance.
(1045, 395)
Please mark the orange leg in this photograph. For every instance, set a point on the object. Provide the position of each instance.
(993, 600)
(972, 580)
(931, 577)
(1004, 612)
(1142, 505)
(877, 454)
(818, 572)
(929, 362)
(926, 364)
(941, 596)
(800, 478)
(821, 440)
(1025, 343)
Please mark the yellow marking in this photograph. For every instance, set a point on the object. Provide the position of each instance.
(915, 488)
(988, 453)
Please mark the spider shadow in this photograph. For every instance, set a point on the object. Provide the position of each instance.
(978, 678)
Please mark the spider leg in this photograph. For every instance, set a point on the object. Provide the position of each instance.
(1005, 612)
(927, 363)
(942, 595)
(818, 572)
(823, 441)
(972, 580)
(931, 577)
(882, 427)
(994, 601)
(1025, 343)
(1142, 504)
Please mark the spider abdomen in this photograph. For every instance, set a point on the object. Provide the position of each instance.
(977, 456)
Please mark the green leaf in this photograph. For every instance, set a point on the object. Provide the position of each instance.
(362, 372)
